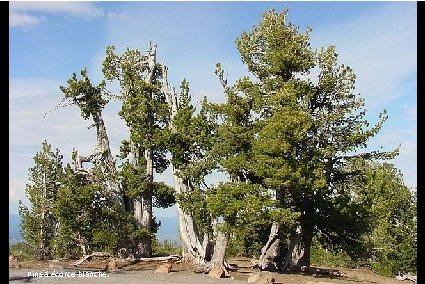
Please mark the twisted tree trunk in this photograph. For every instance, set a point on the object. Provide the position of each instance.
(298, 252)
(142, 206)
(103, 151)
(218, 258)
(270, 253)
(196, 247)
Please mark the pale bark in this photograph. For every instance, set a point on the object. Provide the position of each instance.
(147, 201)
(90, 256)
(102, 157)
(142, 209)
(303, 236)
(196, 247)
(270, 252)
(143, 206)
(145, 248)
(270, 258)
(297, 255)
(103, 151)
(294, 250)
(137, 213)
(220, 248)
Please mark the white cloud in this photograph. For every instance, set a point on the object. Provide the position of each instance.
(20, 11)
(22, 20)
(381, 47)
(16, 193)
(119, 16)
(32, 87)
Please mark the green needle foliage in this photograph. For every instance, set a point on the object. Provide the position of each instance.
(308, 131)
(88, 218)
(87, 97)
(146, 113)
(393, 211)
(38, 223)
(291, 144)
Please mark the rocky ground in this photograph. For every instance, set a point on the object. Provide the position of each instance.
(104, 271)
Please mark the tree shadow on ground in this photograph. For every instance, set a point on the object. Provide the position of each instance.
(25, 279)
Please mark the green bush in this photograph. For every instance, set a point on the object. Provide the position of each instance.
(23, 251)
(384, 267)
(322, 256)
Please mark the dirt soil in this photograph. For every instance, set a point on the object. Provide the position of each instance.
(182, 272)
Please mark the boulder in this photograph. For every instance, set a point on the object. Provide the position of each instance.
(164, 268)
(253, 278)
(112, 266)
(216, 272)
(261, 278)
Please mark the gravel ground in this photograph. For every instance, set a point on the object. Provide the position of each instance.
(143, 273)
(125, 277)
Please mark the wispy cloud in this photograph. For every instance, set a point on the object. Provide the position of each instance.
(119, 16)
(16, 193)
(24, 14)
(32, 87)
(381, 48)
(411, 112)
(23, 20)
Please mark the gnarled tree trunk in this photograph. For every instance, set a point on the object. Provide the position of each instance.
(104, 154)
(196, 247)
(142, 206)
(147, 206)
(299, 248)
(218, 258)
(270, 253)
(298, 254)
(102, 157)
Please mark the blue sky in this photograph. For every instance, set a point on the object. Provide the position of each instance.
(48, 41)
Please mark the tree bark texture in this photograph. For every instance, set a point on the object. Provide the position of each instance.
(270, 253)
(196, 247)
(220, 248)
(107, 163)
(142, 206)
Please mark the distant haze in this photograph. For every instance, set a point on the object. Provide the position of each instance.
(167, 231)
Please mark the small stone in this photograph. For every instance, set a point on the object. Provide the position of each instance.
(261, 278)
(164, 268)
(112, 266)
(216, 272)
(253, 278)
(266, 280)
